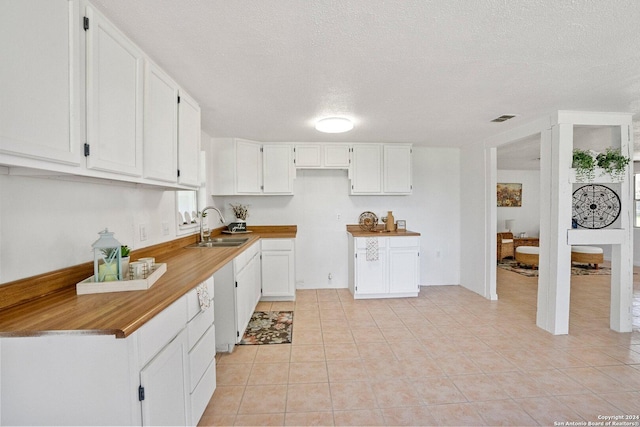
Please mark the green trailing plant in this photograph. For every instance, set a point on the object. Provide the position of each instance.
(613, 163)
(585, 165)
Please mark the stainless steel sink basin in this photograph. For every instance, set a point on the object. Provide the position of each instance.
(221, 242)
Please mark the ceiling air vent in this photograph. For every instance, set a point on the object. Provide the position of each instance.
(503, 118)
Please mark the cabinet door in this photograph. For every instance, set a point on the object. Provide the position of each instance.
(248, 167)
(163, 380)
(277, 274)
(308, 156)
(336, 156)
(247, 294)
(371, 276)
(366, 169)
(114, 98)
(39, 79)
(160, 125)
(397, 169)
(403, 270)
(188, 141)
(278, 169)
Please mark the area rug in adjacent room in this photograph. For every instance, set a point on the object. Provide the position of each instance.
(269, 327)
(576, 269)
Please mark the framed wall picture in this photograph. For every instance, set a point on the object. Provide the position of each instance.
(509, 195)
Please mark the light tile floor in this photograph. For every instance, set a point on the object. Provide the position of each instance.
(448, 357)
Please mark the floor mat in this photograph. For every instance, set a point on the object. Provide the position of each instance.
(576, 269)
(269, 327)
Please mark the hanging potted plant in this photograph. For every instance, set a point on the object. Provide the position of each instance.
(613, 163)
(584, 163)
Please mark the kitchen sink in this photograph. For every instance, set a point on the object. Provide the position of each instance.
(220, 242)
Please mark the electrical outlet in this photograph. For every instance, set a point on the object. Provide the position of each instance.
(338, 216)
(143, 232)
(165, 228)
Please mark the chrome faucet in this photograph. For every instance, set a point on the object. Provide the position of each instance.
(203, 216)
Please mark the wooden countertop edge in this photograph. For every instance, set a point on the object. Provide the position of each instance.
(356, 231)
(58, 310)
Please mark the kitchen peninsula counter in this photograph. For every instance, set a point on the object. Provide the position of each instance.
(47, 304)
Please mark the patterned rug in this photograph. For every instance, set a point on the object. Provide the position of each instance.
(576, 269)
(269, 327)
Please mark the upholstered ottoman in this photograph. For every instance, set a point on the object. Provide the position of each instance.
(587, 255)
(528, 255)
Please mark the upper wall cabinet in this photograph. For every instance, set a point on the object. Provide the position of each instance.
(39, 80)
(160, 125)
(188, 141)
(366, 169)
(114, 98)
(322, 156)
(247, 167)
(381, 169)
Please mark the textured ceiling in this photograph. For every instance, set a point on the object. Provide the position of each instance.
(427, 72)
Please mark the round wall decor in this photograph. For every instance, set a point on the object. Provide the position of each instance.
(595, 206)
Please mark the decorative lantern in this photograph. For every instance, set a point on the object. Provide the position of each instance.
(107, 265)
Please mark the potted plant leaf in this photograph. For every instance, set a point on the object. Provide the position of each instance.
(585, 164)
(613, 163)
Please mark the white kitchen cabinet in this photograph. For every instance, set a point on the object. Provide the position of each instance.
(248, 162)
(322, 156)
(277, 169)
(188, 141)
(237, 288)
(114, 98)
(397, 175)
(163, 381)
(39, 80)
(162, 374)
(160, 125)
(396, 272)
(243, 167)
(278, 270)
(366, 169)
(381, 169)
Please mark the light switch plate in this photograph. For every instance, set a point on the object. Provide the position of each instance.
(143, 232)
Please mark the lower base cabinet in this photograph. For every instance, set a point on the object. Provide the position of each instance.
(384, 267)
(278, 270)
(238, 286)
(162, 374)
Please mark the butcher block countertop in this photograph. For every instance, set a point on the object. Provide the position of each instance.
(356, 231)
(48, 304)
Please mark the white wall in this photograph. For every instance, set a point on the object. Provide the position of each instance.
(527, 217)
(48, 224)
(321, 195)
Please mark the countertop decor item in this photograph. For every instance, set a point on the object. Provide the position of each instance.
(107, 258)
(89, 286)
(240, 211)
(368, 221)
(390, 223)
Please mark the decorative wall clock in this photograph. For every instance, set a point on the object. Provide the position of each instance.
(595, 206)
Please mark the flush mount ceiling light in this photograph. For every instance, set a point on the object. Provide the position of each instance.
(334, 125)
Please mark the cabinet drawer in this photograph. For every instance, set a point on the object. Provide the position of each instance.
(193, 302)
(361, 242)
(199, 325)
(161, 329)
(277, 245)
(243, 259)
(202, 394)
(404, 242)
(201, 356)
